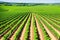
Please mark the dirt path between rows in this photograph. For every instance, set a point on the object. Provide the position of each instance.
(31, 30)
(22, 35)
(6, 32)
(55, 23)
(23, 32)
(41, 36)
(0, 37)
(49, 32)
(54, 28)
(12, 36)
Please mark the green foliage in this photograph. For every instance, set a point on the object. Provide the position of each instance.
(49, 10)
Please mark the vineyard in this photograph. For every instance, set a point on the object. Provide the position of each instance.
(30, 23)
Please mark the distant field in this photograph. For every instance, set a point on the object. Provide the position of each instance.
(41, 22)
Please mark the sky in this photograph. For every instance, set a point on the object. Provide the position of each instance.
(33, 1)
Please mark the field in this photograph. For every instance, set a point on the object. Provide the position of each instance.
(41, 22)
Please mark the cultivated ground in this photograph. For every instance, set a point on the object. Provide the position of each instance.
(40, 22)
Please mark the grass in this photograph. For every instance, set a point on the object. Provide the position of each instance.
(45, 34)
(26, 34)
(50, 28)
(5, 37)
(8, 14)
(36, 36)
(19, 29)
(44, 9)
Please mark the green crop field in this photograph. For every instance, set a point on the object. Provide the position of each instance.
(40, 22)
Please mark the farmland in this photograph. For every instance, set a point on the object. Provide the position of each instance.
(41, 22)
